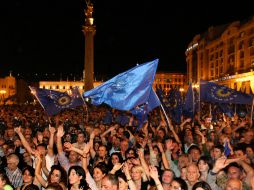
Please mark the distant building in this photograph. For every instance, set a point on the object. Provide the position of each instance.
(224, 54)
(167, 80)
(63, 86)
(7, 88)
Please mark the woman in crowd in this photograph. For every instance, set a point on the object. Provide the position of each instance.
(76, 178)
(178, 183)
(5, 184)
(56, 175)
(28, 175)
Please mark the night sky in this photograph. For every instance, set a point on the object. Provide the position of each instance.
(45, 37)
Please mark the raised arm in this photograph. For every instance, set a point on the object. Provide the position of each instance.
(38, 171)
(59, 135)
(23, 140)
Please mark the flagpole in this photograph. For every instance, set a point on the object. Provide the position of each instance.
(37, 98)
(85, 107)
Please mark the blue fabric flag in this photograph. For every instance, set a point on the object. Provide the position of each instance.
(126, 90)
(176, 105)
(142, 111)
(227, 109)
(212, 92)
(227, 150)
(189, 105)
(53, 101)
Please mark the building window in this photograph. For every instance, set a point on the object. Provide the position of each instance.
(241, 63)
(242, 54)
(212, 73)
(242, 34)
(251, 42)
(240, 45)
(251, 51)
(221, 53)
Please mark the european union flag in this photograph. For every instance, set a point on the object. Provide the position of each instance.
(212, 92)
(227, 150)
(189, 106)
(142, 111)
(126, 90)
(53, 101)
(176, 105)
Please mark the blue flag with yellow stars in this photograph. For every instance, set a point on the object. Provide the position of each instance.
(53, 101)
(127, 90)
(214, 93)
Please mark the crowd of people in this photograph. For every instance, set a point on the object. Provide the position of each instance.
(101, 149)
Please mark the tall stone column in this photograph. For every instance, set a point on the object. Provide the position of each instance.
(89, 32)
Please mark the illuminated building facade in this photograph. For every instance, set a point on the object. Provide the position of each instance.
(7, 88)
(63, 86)
(224, 54)
(166, 80)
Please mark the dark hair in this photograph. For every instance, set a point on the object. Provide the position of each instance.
(181, 182)
(118, 154)
(80, 172)
(5, 178)
(31, 187)
(220, 147)
(30, 169)
(63, 177)
(102, 166)
(122, 176)
(207, 160)
(202, 184)
(54, 186)
(233, 164)
(194, 147)
(128, 150)
(42, 145)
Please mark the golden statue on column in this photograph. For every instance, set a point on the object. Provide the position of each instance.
(89, 32)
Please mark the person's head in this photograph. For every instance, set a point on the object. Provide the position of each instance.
(28, 174)
(81, 138)
(54, 186)
(4, 180)
(183, 172)
(248, 136)
(110, 182)
(167, 176)
(194, 152)
(57, 174)
(136, 173)
(192, 173)
(183, 161)
(178, 184)
(234, 171)
(27, 158)
(124, 145)
(249, 151)
(42, 148)
(73, 157)
(12, 162)
(76, 177)
(31, 187)
(218, 151)
(201, 185)
(102, 151)
(116, 157)
(234, 184)
(204, 164)
(123, 183)
(99, 171)
(239, 151)
(161, 133)
(130, 152)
